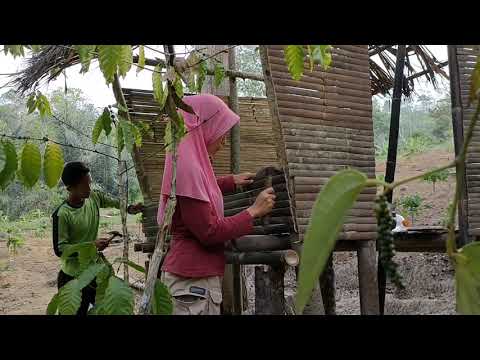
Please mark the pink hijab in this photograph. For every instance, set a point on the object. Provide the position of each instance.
(195, 176)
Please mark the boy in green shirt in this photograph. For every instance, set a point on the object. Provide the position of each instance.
(77, 220)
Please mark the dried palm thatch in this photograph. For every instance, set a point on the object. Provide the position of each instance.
(53, 59)
(382, 77)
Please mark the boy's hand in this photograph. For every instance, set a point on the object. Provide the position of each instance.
(135, 209)
(101, 244)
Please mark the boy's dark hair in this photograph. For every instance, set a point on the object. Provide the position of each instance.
(73, 172)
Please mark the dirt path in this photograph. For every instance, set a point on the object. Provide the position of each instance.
(28, 284)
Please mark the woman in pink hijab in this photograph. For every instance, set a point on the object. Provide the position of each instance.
(195, 264)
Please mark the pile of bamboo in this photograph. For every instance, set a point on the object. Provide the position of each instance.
(325, 125)
(467, 57)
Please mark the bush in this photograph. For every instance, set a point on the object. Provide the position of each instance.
(411, 204)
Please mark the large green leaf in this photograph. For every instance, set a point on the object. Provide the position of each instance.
(141, 58)
(219, 74)
(53, 305)
(294, 56)
(86, 54)
(87, 275)
(87, 254)
(321, 55)
(69, 298)
(52, 164)
(162, 303)
(328, 213)
(102, 283)
(128, 134)
(475, 86)
(202, 74)
(125, 61)
(31, 164)
(97, 129)
(160, 92)
(467, 278)
(178, 85)
(118, 298)
(106, 121)
(109, 57)
(10, 163)
(43, 105)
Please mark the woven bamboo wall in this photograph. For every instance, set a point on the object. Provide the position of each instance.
(467, 57)
(257, 147)
(326, 126)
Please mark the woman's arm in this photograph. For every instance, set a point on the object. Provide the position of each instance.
(226, 184)
(200, 219)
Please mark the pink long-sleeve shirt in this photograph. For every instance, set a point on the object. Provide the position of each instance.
(199, 236)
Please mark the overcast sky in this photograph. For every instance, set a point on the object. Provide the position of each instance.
(94, 87)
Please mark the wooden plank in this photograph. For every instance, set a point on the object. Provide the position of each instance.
(367, 278)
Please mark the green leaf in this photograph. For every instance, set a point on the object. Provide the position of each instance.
(131, 264)
(178, 85)
(53, 305)
(87, 275)
(31, 164)
(52, 164)
(141, 58)
(43, 105)
(145, 129)
(475, 87)
(102, 283)
(36, 48)
(125, 61)
(128, 134)
(310, 57)
(10, 162)
(328, 213)
(120, 139)
(162, 303)
(15, 50)
(109, 57)
(202, 73)
(294, 56)
(137, 135)
(97, 129)
(31, 103)
(321, 55)
(69, 298)
(87, 254)
(86, 54)
(219, 74)
(159, 91)
(467, 278)
(106, 121)
(118, 298)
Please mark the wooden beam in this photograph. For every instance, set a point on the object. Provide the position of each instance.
(367, 281)
(274, 258)
(392, 152)
(458, 140)
(263, 243)
(421, 73)
(378, 50)
(269, 290)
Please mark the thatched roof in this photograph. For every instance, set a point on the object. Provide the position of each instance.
(53, 59)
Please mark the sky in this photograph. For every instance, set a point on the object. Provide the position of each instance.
(96, 90)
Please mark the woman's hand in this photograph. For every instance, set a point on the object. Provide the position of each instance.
(243, 179)
(264, 203)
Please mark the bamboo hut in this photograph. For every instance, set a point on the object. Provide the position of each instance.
(312, 128)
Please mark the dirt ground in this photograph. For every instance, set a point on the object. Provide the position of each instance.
(29, 281)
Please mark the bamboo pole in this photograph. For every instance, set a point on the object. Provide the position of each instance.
(162, 245)
(458, 139)
(392, 152)
(236, 270)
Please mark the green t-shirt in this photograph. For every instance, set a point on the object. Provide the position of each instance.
(78, 225)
